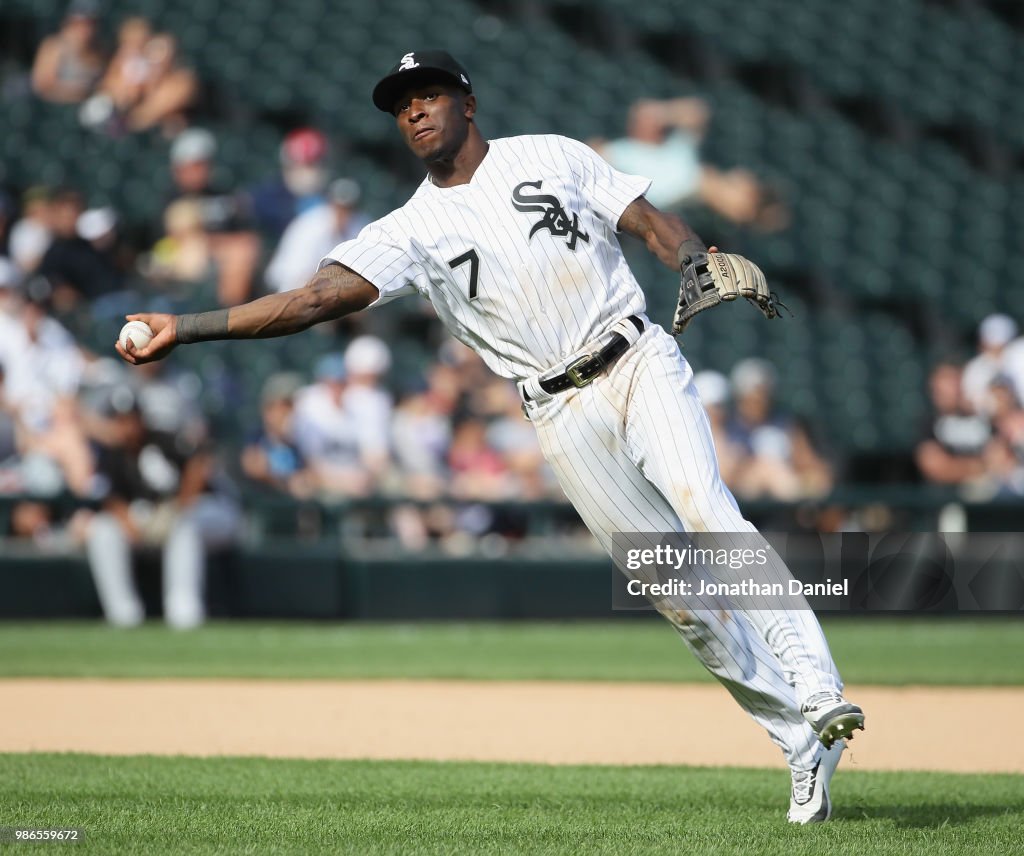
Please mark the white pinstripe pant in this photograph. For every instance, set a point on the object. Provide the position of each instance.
(634, 453)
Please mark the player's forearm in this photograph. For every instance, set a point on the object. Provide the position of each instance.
(666, 235)
(671, 240)
(332, 293)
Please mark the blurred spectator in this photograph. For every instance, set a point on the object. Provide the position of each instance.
(478, 470)
(273, 457)
(312, 235)
(32, 234)
(1003, 458)
(167, 396)
(367, 360)
(231, 243)
(329, 434)
(69, 63)
(146, 85)
(955, 439)
(162, 492)
(781, 462)
(298, 188)
(1013, 366)
(994, 334)
(421, 434)
(183, 254)
(78, 267)
(663, 143)
(42, 369)
(461, 370)
(168, 91)
(130, 67)
(1007, 416)
(169, 400)
(713, 388)
(446, 382)
(1004, 471)
(512, 437)
(486, 396)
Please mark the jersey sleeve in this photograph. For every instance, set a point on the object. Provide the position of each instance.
(609, 191)
(380, 258)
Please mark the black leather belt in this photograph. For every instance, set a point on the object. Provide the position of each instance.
(584, 370)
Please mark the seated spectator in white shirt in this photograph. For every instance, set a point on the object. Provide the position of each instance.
(42, 372)
(313, 234)
(367, 360)
(780, 461)
(995, 333)
(342, 422)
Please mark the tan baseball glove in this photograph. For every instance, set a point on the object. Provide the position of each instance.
(710, 278)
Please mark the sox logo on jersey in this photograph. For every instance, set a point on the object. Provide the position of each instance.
(555, 220)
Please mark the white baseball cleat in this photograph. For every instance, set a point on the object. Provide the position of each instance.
(832, 717)
(809, 801)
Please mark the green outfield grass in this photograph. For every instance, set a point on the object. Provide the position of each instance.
(184, 805)
(889, 651)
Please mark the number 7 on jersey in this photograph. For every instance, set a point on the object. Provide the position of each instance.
(474, 268)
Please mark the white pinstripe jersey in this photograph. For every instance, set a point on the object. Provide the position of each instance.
(522, 263)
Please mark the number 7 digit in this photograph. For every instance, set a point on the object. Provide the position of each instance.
(474, 268)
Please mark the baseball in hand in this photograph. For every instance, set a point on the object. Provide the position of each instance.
(138, 332)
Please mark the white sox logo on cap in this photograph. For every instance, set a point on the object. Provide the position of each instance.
(425, 66)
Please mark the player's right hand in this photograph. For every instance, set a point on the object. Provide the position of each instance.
(164, 329)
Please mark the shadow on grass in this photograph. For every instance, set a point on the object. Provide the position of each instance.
(929, 815)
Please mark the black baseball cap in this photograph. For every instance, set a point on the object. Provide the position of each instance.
(415, 68)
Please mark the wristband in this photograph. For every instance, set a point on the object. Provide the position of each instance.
(688, 249)
(202, 326)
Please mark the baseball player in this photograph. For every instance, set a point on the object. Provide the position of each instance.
(514, 243)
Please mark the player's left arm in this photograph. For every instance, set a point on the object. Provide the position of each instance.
(666, 235)
(708, 277)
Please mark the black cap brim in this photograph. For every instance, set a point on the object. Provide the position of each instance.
(392, 87)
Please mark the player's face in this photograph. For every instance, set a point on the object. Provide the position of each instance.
(434, 120)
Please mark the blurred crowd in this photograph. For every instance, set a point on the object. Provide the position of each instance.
(975, 434)
(445, 442)
(348, 427)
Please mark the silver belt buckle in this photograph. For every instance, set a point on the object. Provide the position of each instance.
(573, 371)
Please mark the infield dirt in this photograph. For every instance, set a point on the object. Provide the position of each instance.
(916, 728)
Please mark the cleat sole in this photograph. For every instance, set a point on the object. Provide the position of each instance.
(840, 727)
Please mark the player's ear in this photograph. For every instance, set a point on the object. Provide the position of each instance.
(469, 106)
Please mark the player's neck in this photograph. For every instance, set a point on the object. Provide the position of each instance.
(461, 168)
